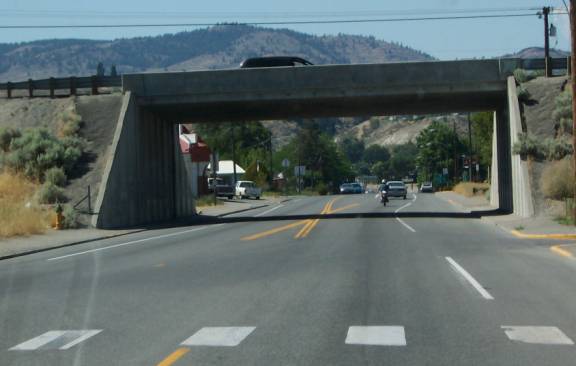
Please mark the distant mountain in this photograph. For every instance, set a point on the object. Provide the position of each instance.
(222, 46)
(535, 52)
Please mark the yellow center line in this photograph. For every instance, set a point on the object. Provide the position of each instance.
(174, 356)
(563, 252)
(543, 236)
(303, 230)
(344, 208)
(275, 230)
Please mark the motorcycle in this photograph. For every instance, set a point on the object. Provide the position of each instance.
(383, 197)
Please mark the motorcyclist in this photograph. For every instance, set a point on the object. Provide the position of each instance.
(383, 192)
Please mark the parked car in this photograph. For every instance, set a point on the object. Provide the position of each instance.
(427, 187)
(274, 61)
(222, 189)
(351, 188)
(247, 189)
(396, 188)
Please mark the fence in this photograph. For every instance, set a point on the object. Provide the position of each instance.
(71, 84)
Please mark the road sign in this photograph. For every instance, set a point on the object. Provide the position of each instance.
(299, 170)
(285, 163)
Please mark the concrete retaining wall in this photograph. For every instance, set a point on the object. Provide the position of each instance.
(144, 180)
(522, 196)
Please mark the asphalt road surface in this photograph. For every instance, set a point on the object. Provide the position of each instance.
(296, 291)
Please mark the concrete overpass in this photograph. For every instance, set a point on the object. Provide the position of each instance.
(145, 181)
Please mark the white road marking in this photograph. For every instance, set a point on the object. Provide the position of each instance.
(468, 277)
(536, 335)
(405, 225)
(402, 221)
(219, 336)
(376, 335)
(133, 242)
(268, 211)
(56, 339)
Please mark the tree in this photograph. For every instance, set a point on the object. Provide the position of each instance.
(482, 130)
(100, 71)
(113, 71)
(438, 145)
(353, 149)
(376, 153)
(403, 160)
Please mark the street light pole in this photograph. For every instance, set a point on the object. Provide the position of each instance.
(469, 149)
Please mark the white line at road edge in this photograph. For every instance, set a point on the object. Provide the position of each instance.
(133, 242)
(485, 294)
(402, 221)
(268, 211)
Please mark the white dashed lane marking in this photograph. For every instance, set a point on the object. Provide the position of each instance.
(471, 280)
(56, 339)
(385, 335)
(219, 336)
(536, 335)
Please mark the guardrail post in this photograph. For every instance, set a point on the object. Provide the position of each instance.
(30, 88)
(51, 86)
(9, 89)
(72, 85)
(94, 83)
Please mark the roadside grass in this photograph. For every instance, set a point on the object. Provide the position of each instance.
(207, 201)
(519, 228)
(565, 220)
(19, 215)
(470, 189)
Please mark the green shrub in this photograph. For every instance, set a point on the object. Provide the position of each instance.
(37, 150)
(7, 134)
(529, 146)
(558, 148)
(562, 113)
(523, 94)
(557, 180)
(322, 189)
(55, 176)
(50, 193)
(70, 218)
(523, 76)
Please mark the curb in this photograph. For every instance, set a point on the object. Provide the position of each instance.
(15, 255)
(563, 252)
(243, 210)
(520, 235)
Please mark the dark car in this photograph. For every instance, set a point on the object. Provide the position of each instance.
(274, 61)
(396, 189)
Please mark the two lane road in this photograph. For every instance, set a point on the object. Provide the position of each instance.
(305, 291)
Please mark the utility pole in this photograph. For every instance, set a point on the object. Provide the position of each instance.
(234, 158)
(573, 82)
(469, 149)
(270, 162)
(455, 150)
(547, 60)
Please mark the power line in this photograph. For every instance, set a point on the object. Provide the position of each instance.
(303, 22)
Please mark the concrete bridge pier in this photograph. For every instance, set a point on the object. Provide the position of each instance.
(145, 179)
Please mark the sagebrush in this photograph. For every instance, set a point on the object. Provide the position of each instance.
(557, 180)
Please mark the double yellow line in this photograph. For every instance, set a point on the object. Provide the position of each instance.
(307, 225)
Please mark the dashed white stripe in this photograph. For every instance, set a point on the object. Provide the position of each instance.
(219, 336)
(389, 335)
(468, 277)
(53, 336)
(536, 335)
(268, 211)
(132, 242)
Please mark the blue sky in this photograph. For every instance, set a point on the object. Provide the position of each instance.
(443, 39)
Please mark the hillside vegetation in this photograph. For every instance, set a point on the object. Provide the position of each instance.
(217, 47)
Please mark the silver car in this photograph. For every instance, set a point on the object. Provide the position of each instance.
(396, 189)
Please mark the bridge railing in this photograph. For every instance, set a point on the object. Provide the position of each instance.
(61, 86)
(66, 86)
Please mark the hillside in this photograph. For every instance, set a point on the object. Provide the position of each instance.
(217, 47)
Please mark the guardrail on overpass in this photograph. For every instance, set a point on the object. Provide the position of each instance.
(72, 84)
